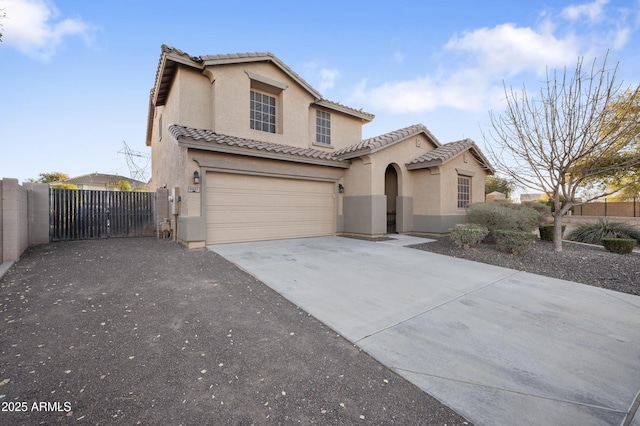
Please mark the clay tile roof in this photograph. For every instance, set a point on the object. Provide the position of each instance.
(447, 152)
(234, 56)
(218, 140)
(376, 143)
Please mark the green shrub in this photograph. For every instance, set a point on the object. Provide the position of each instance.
(464, 236)
(544, 212)
(619, 245)
(514, 242)
(593, 233)
(507, 216)
(546, 232)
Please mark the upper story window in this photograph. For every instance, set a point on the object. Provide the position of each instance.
(323, 127)
(263, 112)
(464, 192)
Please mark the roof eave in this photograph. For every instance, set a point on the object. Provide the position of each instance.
(226, 149)
(355, 154)
(364, 116)
(482, 160)
(424, 165)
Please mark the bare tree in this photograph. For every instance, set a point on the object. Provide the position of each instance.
(559, 140)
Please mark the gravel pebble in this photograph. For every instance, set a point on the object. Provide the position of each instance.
(586, 264)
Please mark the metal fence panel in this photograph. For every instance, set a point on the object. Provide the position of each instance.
(87, 214)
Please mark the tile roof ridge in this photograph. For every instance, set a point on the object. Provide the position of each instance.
(238, 55)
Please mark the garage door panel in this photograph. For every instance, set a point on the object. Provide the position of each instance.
(249, 208)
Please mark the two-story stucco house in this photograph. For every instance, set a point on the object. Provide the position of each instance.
(248, 150)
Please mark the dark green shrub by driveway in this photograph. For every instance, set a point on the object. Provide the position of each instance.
(619, 245)
(464, 236)
(514, 242)
(507, 216)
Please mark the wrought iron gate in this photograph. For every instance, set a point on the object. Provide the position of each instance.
(86, 214)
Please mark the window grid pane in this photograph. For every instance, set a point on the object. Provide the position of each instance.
(263, 112)
(464, 192)
(323, 127)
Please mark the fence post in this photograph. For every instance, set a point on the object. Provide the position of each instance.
(605, 207)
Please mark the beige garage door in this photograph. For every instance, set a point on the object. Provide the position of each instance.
(252, 208)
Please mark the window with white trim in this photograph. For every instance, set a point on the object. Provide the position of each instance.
(323, 127)
(464, 192)
(263, 112)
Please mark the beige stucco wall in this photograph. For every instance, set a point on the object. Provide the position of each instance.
(232, 84)
(169, 163)
(15, 219)
(223, 106)
(427, 196)
(464, 162)
(345, 130)
(437, 188)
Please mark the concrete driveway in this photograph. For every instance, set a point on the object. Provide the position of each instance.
(499, 346)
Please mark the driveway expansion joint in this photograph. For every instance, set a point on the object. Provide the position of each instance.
(466, 293)
(547, 398)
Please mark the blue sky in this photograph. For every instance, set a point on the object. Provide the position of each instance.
(75, 75)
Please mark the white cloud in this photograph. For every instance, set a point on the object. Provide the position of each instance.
(33, 28)
(327, 79)
(464, 90)
(592, 11)
(474, 64)
(506, 49)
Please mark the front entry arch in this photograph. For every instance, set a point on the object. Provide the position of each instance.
(391, 192)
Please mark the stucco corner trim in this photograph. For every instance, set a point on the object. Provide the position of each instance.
(209, 74)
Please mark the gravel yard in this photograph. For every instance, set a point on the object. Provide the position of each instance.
(580, 263)
(142, 331)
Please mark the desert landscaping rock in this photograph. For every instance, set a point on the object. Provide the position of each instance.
(143, 331)
(582, 263)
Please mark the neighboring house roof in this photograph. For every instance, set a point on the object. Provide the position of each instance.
(100, 179)
(171, 58)
(447, 152)
(211, 141)
(371, 145)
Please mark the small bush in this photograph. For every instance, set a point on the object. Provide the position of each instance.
(464, 236)
(514, 242)
(544, 212)
(546, 232)
(507, 216)
(619, 245)
(593, 233)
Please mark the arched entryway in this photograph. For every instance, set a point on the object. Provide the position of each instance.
(391, 191)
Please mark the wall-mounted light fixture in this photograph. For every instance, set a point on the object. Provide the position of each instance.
(196, 177)
(340, 188)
